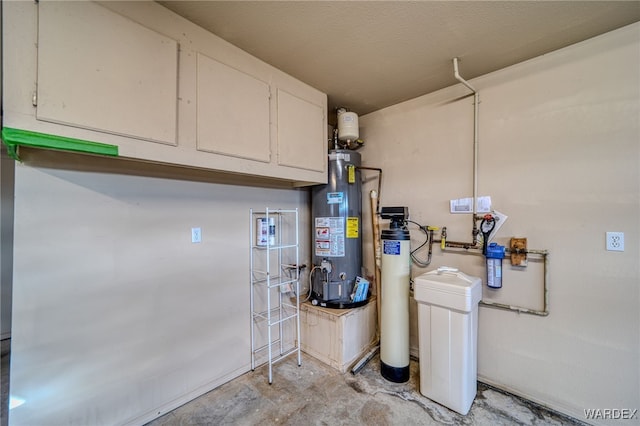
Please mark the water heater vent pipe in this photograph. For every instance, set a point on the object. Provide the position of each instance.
(476, 106)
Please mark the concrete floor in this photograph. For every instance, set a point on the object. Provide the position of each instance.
(316, 394)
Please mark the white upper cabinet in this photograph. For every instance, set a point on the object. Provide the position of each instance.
(150, 85)
(301, 141)
(101, 71)
(232, 111)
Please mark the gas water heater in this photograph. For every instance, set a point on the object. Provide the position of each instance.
(337, 228)
(394, 315)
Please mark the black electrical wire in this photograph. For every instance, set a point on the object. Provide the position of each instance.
(428, 237)
(486, 226)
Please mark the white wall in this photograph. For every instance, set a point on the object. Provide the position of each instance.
(6, 231)
(560, 155)
(6, 242)
(117, 316)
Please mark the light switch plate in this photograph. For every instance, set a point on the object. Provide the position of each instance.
(615, 241)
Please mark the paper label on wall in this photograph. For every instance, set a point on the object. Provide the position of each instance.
(330, 236)
(465, 205)
(335, 197)
(500, 220)
(352, 227)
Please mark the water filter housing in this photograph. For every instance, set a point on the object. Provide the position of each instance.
(394, 315)
(495, 254)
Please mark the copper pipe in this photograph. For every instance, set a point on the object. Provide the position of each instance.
(522, 310)
(377, 211)
(375, 224)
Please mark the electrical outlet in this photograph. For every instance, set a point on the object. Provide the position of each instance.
(615, 241)
(196, 235)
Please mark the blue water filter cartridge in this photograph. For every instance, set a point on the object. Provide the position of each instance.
(495, 254)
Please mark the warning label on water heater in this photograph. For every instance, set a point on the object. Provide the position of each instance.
(352, 227)
(329, 236)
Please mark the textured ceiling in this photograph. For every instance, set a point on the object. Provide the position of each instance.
(367, 55)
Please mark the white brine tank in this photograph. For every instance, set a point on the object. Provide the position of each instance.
(448, 336)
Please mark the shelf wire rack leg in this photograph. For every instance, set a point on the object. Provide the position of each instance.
(279, 288)
(298, 289)
(252, 237)
(269, 303)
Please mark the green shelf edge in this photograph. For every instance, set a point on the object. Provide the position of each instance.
(13, 138)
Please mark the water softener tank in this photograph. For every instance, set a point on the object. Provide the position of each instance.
(337, 228)
(394, 316)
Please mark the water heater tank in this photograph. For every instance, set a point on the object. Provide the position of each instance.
(337, 231)
(348, 126)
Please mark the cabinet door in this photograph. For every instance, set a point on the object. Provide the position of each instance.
(301, 127)
(232, 112)
(101, 71)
